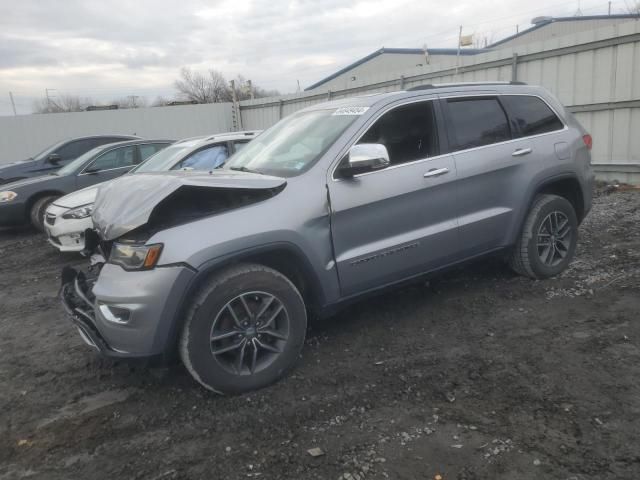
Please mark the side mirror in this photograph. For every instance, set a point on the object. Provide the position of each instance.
(54, 158)
(365, 157)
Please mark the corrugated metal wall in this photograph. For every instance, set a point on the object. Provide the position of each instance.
(595, 73)
(24, 136)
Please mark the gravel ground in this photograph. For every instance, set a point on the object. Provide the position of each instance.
(476, 374)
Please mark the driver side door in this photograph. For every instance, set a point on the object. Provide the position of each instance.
(397, 222)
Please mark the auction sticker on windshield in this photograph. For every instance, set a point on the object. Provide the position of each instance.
(350, 111)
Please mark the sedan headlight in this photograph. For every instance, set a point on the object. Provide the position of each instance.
(135, 257)
(78, 213)
(7, 196)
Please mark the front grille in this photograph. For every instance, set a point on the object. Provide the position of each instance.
(50, 219)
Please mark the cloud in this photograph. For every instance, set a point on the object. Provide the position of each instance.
(93, 47)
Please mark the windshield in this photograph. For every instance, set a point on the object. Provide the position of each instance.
(78, 162)
(48, 150)
(164, 159)
(292, 145)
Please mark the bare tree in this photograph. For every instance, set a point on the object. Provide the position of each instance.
(61, 103)
(634, 8)
(202, 88)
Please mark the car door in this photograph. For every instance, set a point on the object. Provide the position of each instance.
(396, 222)
(206, 158)
(493, 160)
(108, 165)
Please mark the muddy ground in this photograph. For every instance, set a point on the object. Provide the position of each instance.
(479, 374)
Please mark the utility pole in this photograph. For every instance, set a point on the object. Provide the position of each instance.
(250, 86)
(132, 100)
(46, 91)
(609, 8)
(13, 104)
(458, 54)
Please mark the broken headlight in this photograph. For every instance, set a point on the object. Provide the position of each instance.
(135, 257)
(78, 213)
(7, 196)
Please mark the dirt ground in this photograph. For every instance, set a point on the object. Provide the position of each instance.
(478, 374)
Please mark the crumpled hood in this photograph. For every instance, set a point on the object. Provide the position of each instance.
(78, 198)
(126, 203)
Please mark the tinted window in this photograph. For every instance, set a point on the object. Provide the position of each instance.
(531, 115)
(116, 158)
(477, 122)
(206, 159)
(408, 132)
(149, 149)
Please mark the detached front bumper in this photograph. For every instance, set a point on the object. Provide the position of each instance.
(127, 314)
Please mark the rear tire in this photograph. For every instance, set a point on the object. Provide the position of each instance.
(244, 330)
(36, 215)
(548, 239)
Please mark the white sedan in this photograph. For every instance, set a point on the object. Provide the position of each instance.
(68, 217)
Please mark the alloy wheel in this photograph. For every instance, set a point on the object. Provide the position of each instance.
(554, 238)
(249, 332)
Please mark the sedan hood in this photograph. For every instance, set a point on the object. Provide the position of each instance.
(28, 181)
(127, 203)
(78, 198)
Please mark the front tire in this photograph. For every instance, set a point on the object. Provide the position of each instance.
(244, 330)
(36, 214)
(548, 239)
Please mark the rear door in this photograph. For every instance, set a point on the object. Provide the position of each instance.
(393, 223)
(109, 165)
(495, 163)
(489, 163)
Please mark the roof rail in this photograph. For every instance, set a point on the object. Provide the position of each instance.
(429, 86)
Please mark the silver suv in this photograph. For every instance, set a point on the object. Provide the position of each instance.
(335, 201)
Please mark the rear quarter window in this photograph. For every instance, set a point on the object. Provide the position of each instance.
(530, 115)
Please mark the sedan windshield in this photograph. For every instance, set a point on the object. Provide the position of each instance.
(292, 145)
(78, 162)
(166, 158)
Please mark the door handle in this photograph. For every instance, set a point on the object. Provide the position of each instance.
(434, 172)
(521, 151)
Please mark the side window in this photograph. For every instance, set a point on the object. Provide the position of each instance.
(409, 133)
(149, 149)
(477, 122)
(117, 158)
(206, 159)
(531, 115)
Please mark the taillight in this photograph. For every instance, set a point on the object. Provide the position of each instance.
(588, 141)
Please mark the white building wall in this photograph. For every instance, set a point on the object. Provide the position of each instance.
(25, 135)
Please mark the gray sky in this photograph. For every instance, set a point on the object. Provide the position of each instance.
(106, 49)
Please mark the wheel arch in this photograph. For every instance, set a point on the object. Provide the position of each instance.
(37, 196)
(286, 258)
(564, 185)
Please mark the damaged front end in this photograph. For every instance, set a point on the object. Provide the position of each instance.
(118, 302)
(76, 295)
